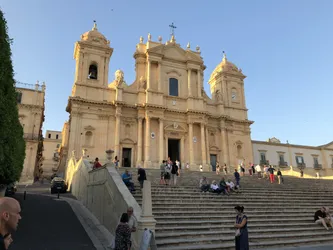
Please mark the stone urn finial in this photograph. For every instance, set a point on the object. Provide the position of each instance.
(109, 153)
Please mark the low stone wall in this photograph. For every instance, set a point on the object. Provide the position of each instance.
(310, 173)
(103, 192)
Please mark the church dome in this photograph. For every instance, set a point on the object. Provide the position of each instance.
(95, 36)
(225, 66)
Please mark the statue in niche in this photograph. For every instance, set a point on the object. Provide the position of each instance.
(119, 78)
(218, 95)
(142, 83)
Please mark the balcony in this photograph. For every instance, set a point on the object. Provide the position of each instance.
(30, 136)
(301, 165)
(317, 166)
(283, 164)
(263, 162)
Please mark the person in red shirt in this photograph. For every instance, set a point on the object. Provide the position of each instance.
(96, 164)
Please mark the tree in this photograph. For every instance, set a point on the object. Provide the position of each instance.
(12, 144)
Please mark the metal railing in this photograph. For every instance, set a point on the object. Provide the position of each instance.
(301, 165)
(263, 162)
(30, 136)
(317, 166)
(283, 164)
(37, 86)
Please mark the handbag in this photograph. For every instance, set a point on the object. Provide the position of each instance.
(238, 232)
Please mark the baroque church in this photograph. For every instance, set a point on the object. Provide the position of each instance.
(164, 113)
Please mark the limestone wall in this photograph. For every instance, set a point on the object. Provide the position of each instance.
(103, 192)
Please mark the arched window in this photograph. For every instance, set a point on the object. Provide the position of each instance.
(234, 96)
(173, 87)
(239, 151)
(88, 138)
(92, 71)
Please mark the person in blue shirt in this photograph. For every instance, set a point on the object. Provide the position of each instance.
(127, 179)
(237, 178)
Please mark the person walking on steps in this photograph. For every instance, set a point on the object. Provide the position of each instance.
(241, 234)
(271, 170)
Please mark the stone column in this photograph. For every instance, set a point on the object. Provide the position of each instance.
(225, 148)
(166, 147)
(116, 138)
(139, 156)
(190, 141)
(148, 73)
(203, 144)
(189, 71)
(207, 146)
(147, 142)
(161, 153)
(199, 83)
(182, 151)
(159, 69)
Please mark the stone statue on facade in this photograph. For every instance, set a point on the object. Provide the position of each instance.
(142, 83)
(119, 78)
(218, 96)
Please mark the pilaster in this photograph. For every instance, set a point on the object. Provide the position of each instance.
(161, 134)
(147, 143)
(189, 72)
(190, 141)
(139, 155)
(203, 144)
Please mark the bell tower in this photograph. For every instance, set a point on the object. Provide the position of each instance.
(92, 54)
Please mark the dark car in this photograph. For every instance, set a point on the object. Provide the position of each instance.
(11, 189)
(58, 185)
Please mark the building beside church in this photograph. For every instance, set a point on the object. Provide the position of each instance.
(31, 106)
(280, 154)
(164, 113)
(51, 146)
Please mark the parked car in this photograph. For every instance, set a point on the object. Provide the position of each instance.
(58, 185)
(11, 189)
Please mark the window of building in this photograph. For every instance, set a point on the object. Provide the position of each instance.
(173, 87)
(18, 97)
(92, 72)
(262, 156)
(239, 151)
(49, 136)
(315, 160)
(88, 138)
(281, 158)
(57, 136)
(299, 159)
(58, 145)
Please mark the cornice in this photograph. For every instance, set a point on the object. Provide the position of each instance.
(290, 145)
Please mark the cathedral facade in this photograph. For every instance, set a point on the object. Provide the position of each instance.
(164, 113)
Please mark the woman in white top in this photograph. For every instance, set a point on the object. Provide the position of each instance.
(215, 188)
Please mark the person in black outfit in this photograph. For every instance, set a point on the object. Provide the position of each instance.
(320, 218)
(141, 176)
(174, 173)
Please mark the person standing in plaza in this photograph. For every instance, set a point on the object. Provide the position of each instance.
(10, 210)
(162, 168)
(241, 234)
(280, 177)
(258, 169)
(237, 178)
(123, 234)
(217, 170)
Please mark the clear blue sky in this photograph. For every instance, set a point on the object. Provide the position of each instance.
(284, 47)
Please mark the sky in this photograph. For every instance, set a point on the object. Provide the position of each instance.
(285, 48)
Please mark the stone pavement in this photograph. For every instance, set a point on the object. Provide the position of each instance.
(51, 224)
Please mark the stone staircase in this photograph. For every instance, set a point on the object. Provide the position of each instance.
(278, 215)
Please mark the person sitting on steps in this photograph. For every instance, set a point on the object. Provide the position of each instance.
(215, 188)
(321, 218)
(223, 186)
(204, 186)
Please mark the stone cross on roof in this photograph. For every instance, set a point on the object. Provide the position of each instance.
(172, 28)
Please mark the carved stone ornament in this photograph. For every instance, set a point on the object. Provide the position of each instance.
(194, 139)
(142, 83)
(152, 135)
(218, 96)
(175, 125)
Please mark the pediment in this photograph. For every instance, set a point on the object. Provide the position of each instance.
(127, 141)
(175, 127)
(89, 128)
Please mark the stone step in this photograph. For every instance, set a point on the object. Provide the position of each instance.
(247, 205)
(255, 238)
(219, 226)
(231, 222)
(227, 213)
(271, 243)
(234, 199)
(223, 217)
(198, 233)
